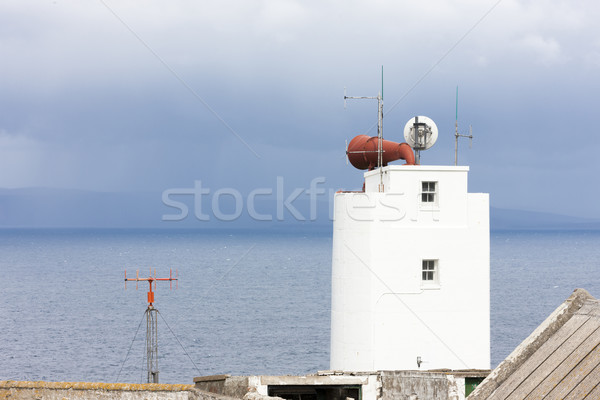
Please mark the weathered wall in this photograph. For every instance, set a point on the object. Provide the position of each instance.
(257, 387)
(23, 390)
(416, 385)
(234, 386)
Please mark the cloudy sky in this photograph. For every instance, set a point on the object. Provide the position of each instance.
(145, 96)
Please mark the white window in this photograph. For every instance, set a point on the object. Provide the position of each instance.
(429, 192)
(430, 274)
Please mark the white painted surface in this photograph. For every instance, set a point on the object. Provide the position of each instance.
(383, 316)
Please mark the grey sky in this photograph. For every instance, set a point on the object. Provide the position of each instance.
(84, 104)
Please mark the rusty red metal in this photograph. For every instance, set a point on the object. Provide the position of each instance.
(362, 152)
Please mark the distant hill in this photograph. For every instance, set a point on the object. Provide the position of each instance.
(501, 219)
(67, 208)
(63, 208)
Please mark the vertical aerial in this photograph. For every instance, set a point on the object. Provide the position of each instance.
(459, 135)
(151, 324)
(379, 151)
(410, 262)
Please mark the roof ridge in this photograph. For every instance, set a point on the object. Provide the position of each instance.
(563, 313)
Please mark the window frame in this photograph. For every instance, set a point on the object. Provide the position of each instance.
(433, 195)
(434, 272)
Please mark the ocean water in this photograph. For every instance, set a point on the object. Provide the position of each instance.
(248, 302)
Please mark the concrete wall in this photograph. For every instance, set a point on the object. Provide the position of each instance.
(23, 390)
(234, 386)
(257, 387)
(417, 385)
(381, 385)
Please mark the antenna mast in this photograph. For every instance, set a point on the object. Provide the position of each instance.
(151, 321)
(457, 135)
(379, 99)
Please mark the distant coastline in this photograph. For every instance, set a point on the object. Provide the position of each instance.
(506, 219)
(69, 208)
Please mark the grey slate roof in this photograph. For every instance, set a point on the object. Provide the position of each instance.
(559, 360)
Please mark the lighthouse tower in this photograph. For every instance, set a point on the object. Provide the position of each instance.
(410, 268)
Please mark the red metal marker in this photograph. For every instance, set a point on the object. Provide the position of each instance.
(152, 279)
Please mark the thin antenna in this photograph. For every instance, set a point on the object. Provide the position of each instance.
(151, 322)
(379, 99)
(456, 131)
(457, 105)
(380, 135)
(346, 151)
(457, 135)
(382, 82)
(470, 136)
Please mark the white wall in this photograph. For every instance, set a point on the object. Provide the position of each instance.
(383, 317)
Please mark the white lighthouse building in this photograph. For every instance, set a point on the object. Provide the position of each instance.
(410, 272)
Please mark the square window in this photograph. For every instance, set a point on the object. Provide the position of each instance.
(429, 272)
(428, 192)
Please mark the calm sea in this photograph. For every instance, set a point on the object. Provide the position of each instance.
(247, 302)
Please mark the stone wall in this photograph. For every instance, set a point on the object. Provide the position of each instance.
(24, 390)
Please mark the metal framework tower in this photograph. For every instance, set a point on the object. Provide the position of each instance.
(151, 322)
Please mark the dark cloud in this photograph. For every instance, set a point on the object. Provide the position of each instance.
(88, 104)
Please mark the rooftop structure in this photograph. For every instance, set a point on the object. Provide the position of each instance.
(410, 272)
(559, 360)
(338, 385)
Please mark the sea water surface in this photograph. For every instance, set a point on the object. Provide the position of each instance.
(247, 302)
